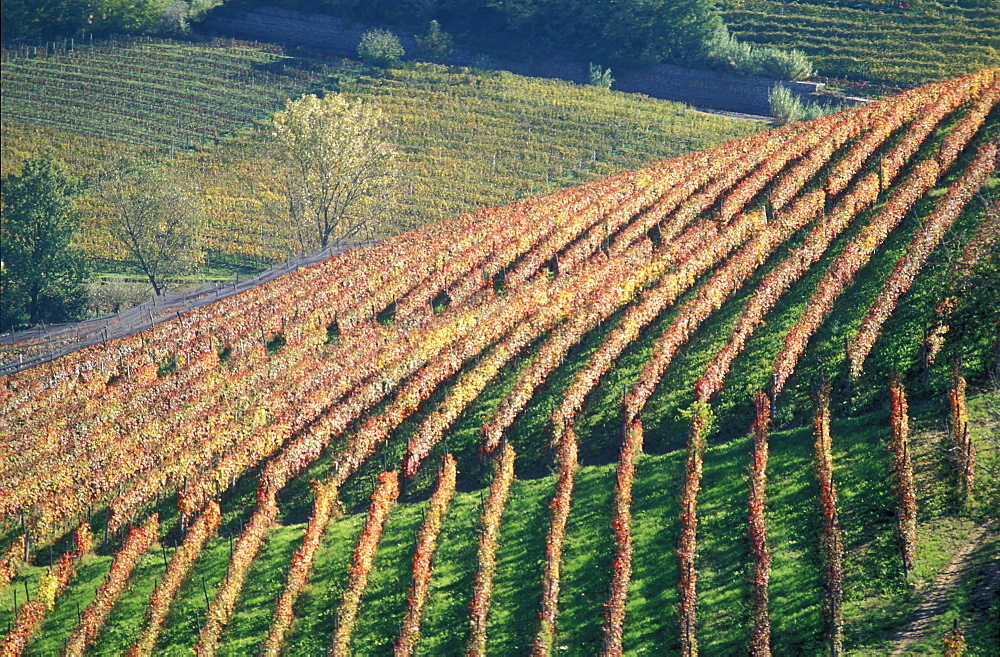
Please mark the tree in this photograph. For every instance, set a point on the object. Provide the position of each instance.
(337, 169)
(599, 77)
(25, 18)
(435, 46)
(380, 48)
(156, 222)
(650, 31)
(41, 271)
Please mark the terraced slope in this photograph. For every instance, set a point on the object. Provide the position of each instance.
(152, 92)
(469, 139)
(558, 352)
(885, 45)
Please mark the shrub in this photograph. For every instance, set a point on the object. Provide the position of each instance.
(434, 46)
(730, 53)
(786, 107)
(783, 64)
(108, 297)
(600, 77)
(380, 48)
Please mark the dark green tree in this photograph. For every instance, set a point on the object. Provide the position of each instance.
(434, 46)
(615, 32)
(42, 272)
(29, 18)
(658, 30)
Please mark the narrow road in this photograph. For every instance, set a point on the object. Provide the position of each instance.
(935, 599)
(24, 349)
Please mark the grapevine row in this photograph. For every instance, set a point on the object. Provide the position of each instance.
(324, 505)
(831, 541)
(52, 583)
(566, 456)
(177, 570)
(482, 588)
(137, 543)
(924, 241)
(902, 472)
(409, 633)
(383, 499)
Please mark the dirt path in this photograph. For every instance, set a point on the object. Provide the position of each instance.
(935, 598)
(25, 349)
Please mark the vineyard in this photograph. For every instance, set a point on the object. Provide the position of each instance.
(158, 93)
(193, 107)
(873, 43)
(724, 402)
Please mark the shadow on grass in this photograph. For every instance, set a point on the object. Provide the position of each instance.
(517, 588)
(587, 558)
(264, 583)
(316, 607)
(651, 611)
(392, 574)
(445, 626)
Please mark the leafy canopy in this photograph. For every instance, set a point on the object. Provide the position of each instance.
(156, 221)
(27, 18)
(42, 272)
(337, 168)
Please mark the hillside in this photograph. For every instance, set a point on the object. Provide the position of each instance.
(193, 107)
(873, 45)
(874, 42)
(542, 412)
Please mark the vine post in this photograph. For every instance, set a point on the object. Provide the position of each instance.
(760, 637)
(902, 467)
(831, 541)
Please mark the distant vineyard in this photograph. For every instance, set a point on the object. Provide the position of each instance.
(557, 351)
(470, 139)
(160, 93)
(886, 45)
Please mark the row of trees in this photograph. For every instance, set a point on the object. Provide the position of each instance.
(336, 174)
(615, 32)
(627, 32)
(29, 18)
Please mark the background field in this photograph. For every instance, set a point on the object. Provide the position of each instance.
(77, 401)
(876, 43)
(469, 139)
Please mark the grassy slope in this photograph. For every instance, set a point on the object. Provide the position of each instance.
(878, 596)
(927, 43)
(877, 599)
(455, 129)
